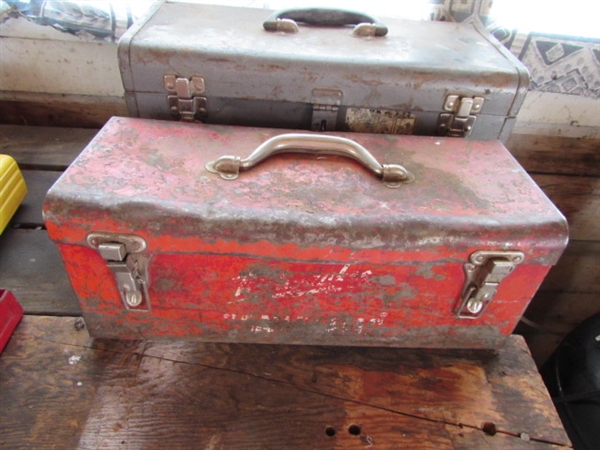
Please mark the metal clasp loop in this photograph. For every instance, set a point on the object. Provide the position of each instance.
(483, 274)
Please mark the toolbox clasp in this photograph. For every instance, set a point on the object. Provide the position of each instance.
(326, 104)
(484, 272)
(122, 253)
(186, 99)
(459, 116)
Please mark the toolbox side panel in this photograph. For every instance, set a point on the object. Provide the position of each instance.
(124, 53)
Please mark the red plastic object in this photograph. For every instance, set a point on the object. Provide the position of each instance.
(10, 316)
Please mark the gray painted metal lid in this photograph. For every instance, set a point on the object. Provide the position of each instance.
(413, 67)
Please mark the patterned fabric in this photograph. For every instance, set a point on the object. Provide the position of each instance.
(560, 64)
(563, 65)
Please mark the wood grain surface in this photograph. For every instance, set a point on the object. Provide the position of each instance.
(555, 314)
(60, 389)
(556, 154)
(31, 266)
(59, 110)
(578, 270)
(43, 148)
(578, 198)
(567, 170)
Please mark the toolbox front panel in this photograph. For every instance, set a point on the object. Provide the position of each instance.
(261, 113)
(247, 299)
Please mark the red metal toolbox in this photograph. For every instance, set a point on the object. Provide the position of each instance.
(220, 65)
(339, 246)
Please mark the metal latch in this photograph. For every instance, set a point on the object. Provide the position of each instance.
(122, 253)
(460, 117)
(186, 98)
(325, 103)
(484, 272)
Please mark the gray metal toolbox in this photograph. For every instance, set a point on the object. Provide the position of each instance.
(221, 65)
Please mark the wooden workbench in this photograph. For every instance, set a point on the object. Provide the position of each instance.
(60, 389)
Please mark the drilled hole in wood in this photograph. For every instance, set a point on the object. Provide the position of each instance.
(354, 430)
(330, 431)
(489, 428)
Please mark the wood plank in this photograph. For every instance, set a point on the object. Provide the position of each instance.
(555, 314)
(31, 266)
(60, 110)
(45, 390)
(129, 394)
(47, 148)
(578, 269)
(569, 308)
(578, 198)
(568, 295)
(448, 378)
(38, 183)
(556, 154)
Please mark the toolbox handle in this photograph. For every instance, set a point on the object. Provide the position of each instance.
(229, 167)
(285, 20)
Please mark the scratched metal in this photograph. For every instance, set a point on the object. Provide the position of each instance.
(300, 249)
(258, 78)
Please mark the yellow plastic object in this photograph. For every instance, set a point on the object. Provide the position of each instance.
(12, 189)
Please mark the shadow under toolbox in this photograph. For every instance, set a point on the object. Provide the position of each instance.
(380, 240)
(220, 65)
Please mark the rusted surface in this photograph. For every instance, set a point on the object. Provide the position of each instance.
(301, 249)
(430, 57)
(415, 67)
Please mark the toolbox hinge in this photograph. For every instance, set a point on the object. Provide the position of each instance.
(122, 253)
(186, 98)
(325, 107)
(484, 272)
(460, 115)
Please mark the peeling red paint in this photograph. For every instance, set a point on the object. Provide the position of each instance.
(300, 249)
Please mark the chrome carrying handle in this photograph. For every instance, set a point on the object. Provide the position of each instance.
(286, 20)
(229, 167)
